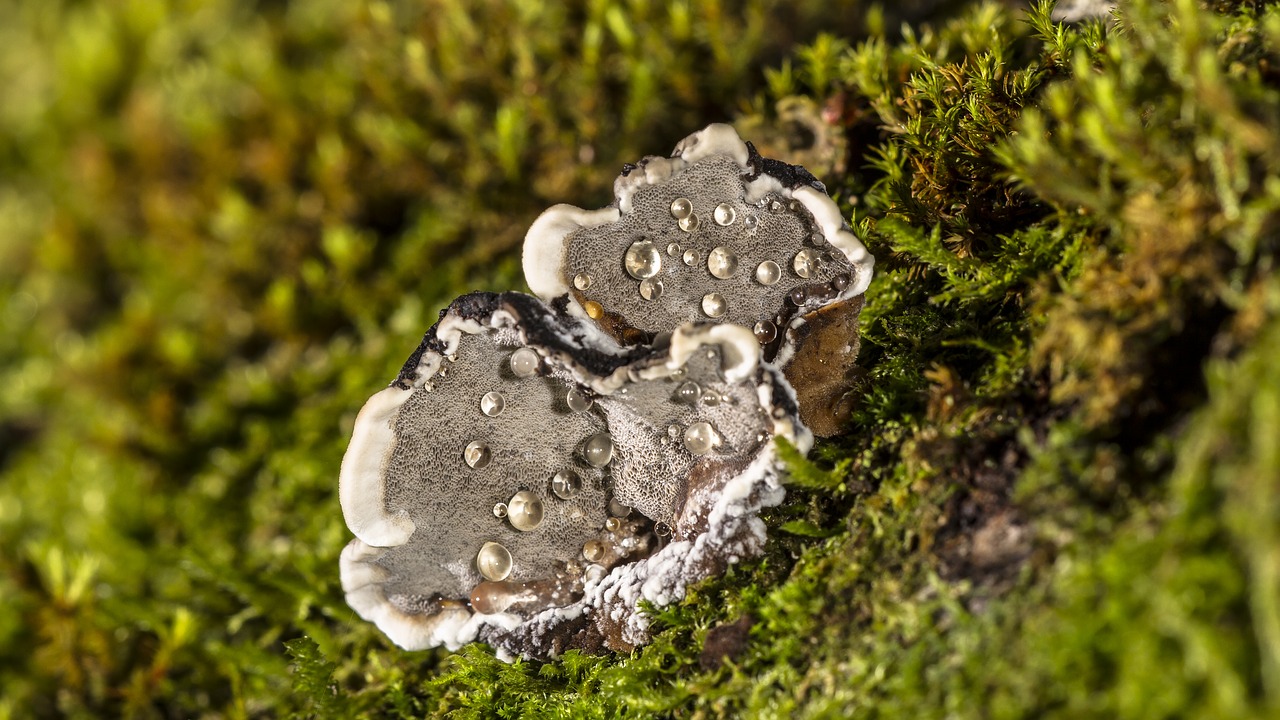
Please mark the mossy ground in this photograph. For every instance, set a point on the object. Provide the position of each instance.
(223, 225)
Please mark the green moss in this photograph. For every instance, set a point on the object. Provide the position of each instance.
(221, 229)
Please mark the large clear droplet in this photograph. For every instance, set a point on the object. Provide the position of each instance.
(700, 438)
(799, 296)
(691, 257)
(566, 484)
(578, 402)
(500, 510)
(714, 305)
(768, 273)
(642, 260)
(662, 529)
(651, 289)
(725, 214)
(688, 392)
(722, 262)
(525, 362)
(477, 454)
(840, 282)
(524, 511)
(582, 282)
(766, 332)
(689, 224)
(750, 222)
(613, 524)
(492, 404)
(593, 550)
(681, 208)
(805, 263)
(598, 449)
(493, 561)
(594, 310)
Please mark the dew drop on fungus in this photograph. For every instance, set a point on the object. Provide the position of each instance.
(768, 273)
(840, 282)
(500, 510)
(577, 401)
(713, 305)
(594, 311)
(493, 561)
(524, 511)
(490, 597)
(492, 404)
(477, 454)
(642, 260)
(593, 550)
(817, 239)
(799, 296)
(674, 249)
(566, 484)
(582, 282)
(594, 573)
(681, 208)
(700, 438)
(688, 392)
(598, 449)
(805, 263)
(617, 509)
(710, 399)
(691, 257)
(662, 529)
(766, 332)
(722, 262)
(750, 222)
(689, 224)
(613, 524)
(651, 289)
(525, 362)
(725, 214)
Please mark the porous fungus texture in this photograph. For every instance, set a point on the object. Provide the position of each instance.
(526, 479)
(716, 233)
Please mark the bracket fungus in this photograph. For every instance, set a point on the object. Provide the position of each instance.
(717, 233)
(526, 480)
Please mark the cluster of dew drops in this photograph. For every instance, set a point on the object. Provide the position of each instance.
(643, 261)
(525, 511)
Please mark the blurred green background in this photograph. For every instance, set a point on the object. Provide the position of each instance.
(224, 224)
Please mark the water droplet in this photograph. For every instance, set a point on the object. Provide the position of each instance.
(500, 510)
(700, 438)
(524, 511)
(710, 399)
(674, 249)
(776, 206)
(768, 273)
(525, 362)
(489, 597)
(799, 296)
(493, 561)
(597, 450)
(725, 214)
(651, 289)
(817, 239)
(642, 260)
(688, 392)
(477, 454)
(662, 529)
(750, 222)
(594, 311)
(582, 282)
(679, 373)
(689, 224)
(594, 573)
(578, 402)
(722, 262)
(805, 263)
(613, 524)
(593, 551)
(766, 332)
(492, 404)
(673, 431)
(566, 484)
(617, 509)
(713, 305)
(681, 208)
(840, 282)
(691, 257)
